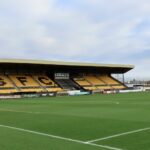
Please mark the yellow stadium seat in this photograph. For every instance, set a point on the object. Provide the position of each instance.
(118, 87)
(7, 91)
(101, 82)
(104, 87)
(24, 81)
(85, 84)
(47, 83)
(6, 86)
(108, 80)
(5, 82)
(93, 80)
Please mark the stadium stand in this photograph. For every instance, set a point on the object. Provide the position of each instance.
(42, 83)
(111, 82)
(119, 87)
(25, 83)
(84, 83)
(102, 82)
(6, 86)
(107, 79)
(67, 84)
(93, 80)
(28, 76)
(47, 83)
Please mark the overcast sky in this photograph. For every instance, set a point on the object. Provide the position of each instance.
(101, 31)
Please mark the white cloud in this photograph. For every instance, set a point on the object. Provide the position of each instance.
(141, 70)
(87, 30)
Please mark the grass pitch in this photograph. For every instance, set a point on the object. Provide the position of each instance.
(95, 122)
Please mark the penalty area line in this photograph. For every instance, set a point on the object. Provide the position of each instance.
(118, 135)
(59, 137)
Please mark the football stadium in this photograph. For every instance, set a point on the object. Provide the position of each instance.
(23, 77)
(49, 105)
(74, 75)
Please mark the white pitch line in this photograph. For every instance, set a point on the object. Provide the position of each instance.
(118, 135)
(59, 137)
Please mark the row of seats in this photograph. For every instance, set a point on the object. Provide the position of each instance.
(93, 80)
(108, 80)
(42, 83)
(101, 82)
(82, 81)
(27, 83)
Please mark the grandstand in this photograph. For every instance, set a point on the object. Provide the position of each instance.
(30, 76)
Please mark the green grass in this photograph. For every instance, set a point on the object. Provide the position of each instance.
(81, 118)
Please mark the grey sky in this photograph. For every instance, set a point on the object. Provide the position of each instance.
(102, 31)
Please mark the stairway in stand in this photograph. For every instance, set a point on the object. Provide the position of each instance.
(67, 84)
